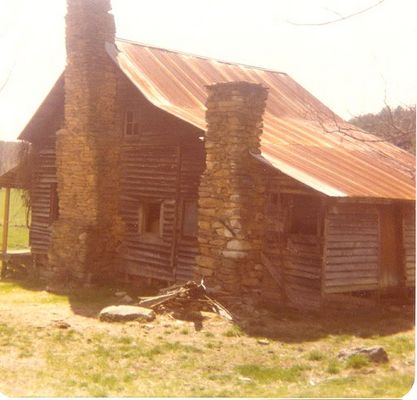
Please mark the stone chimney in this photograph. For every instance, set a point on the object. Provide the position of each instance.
(231, 196)
(84, 238)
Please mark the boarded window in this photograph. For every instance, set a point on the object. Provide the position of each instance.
(303, 214)
(53, 203)
(150, 218)
(132, 127)
(272, 203)
(189, 218)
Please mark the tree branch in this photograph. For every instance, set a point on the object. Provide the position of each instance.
(341, 18)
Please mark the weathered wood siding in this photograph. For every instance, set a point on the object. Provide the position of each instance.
(162, 163)
(303, 262)
(45, 178)
(296, 259)
(409, 245)
(148, 172)
(168, 175)
(192, 166)
(351, 254)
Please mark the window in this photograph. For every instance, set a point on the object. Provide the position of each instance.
(303, 214)
(132, 127)
(272, 205)
(189, 218)
(150, 219)
(53, 203)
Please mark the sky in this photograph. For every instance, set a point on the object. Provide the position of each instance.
(351, 65)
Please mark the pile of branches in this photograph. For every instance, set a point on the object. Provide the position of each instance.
(184, 301)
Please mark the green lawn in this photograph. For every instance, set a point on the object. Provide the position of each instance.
(18, 232)
(171, 358)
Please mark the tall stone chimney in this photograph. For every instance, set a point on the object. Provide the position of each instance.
(84, 237)
(231, 195)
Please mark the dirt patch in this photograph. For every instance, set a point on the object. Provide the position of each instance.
(54, 345)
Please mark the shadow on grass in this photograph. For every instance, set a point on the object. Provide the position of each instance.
(281, 323)
(87, 302)
(292, 326)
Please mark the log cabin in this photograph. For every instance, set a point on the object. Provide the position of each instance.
(152, 163)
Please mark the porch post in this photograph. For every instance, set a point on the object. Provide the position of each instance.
(6, 220)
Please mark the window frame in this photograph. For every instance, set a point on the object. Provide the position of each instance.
(142, 219)
(293, 226)
(183, 212)
(53, 203)
(132, 127)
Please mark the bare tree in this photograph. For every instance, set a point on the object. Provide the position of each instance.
(4, 83)
(340, 17)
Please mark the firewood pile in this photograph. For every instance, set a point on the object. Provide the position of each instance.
(184, 301)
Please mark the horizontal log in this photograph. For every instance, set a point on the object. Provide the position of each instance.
(295, 259)
(314, 269)
(335, 275)
(302, 290)
(301, 273)
(354, 259)
(351, 231)
(350, 288)
(350, 281)
(307, 247)
(351, 252)
(352, 238)
(297, 239)
(351, 267)
(348, 244)
(148, 271)
(303, 282)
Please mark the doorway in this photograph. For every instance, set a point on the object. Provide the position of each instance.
(391, 265)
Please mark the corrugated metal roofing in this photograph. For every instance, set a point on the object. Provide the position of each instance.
(301, 137)
(10, 178)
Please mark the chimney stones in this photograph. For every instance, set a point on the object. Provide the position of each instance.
(85, 236)
(231, 194)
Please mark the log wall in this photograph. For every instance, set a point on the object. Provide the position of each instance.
(41, 194)
(351, 254)
(409, 245)
(295, 259)
(303, 262)
(162, 163)
(168, 175)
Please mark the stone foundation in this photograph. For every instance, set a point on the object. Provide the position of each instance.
(232, 190)
(85, 236)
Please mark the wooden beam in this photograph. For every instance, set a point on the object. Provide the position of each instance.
(6, 220)
(177, 215)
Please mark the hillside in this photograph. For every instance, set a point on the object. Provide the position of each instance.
(397, 126)
(9, 152)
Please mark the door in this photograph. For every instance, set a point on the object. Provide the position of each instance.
(391, 254)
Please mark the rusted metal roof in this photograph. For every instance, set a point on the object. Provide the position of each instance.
(10, 179)
(301, 137)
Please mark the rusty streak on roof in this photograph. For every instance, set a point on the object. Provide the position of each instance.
(301, 137)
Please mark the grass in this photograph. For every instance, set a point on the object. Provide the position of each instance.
(234, 331)
(315, 355)
(357, 361)
(268, 375)
(93, 358)
(18, 231)
(333, 367)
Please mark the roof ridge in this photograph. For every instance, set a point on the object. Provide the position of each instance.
(185, 53)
